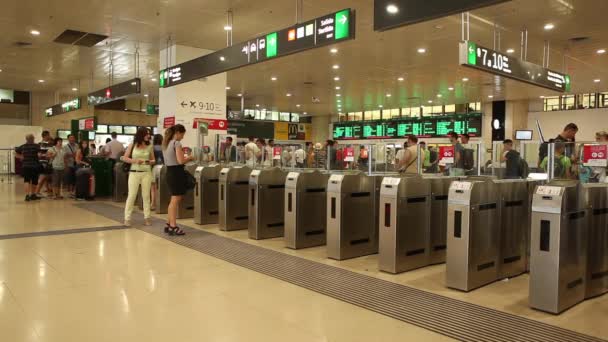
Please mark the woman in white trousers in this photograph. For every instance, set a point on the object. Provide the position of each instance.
(140, 155)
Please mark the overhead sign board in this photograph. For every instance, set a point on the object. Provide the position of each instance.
(115, 92)
(62, 108)
(481, 58)
(427, 127)
(326, 30)
(389, 14)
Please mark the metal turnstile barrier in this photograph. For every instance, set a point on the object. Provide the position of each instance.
(440, 188)
(597, 248)
(558, 255)
(514, 227)
(121, 184)
(266, 203)
(405, 227)
(352, 215)
(233, 198)
(305, 209)
(206, 209)
(163, 197)
(473, 236)
(532, 184)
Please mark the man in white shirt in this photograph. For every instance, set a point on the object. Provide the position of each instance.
(113, 149)
(300, 157)
(252, 151)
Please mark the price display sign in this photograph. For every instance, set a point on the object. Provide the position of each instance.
(276, 152)
(478, 57)
(446, 154)
(325, 30)
(349, 154)
(168, 121)
(595, 155)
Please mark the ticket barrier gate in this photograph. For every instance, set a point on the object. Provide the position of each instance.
(305, 209)
(405, 224)
(597, 249)
(473, 236)
(514, 227)
(558, 255)
(233, 198)
(440, 188)
(163, 197)
(121, 184)
(206, 192)
(266, 203)
(352, 215)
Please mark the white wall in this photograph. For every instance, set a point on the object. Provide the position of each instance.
(589, 121)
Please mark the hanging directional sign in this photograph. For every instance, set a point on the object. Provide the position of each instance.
(482, 58)
(115, 92)
(65, 107)
(322, 31)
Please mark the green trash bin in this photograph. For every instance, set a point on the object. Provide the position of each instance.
(103, 176)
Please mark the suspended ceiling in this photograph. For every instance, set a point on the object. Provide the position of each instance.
(369, 69)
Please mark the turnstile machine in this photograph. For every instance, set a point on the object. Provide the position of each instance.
(597, 248)
(514, 227)
(440, 188)
(266, 203)
(352, 215)
(163, 197)
(121, 184)
(473, 237)
(305, 209)
(558, 256)
(405, 227)
(233, 198)
(206, 209)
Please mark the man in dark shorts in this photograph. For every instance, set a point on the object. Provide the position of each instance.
(46, 170)
(29, 153)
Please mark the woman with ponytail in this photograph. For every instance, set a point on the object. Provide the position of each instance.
(175, 159)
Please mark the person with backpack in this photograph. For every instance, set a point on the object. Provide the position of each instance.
(568, 135)
(457, 168)
(468, 154)
(516, 167)
(561, 163)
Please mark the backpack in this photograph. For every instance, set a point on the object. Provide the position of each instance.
(558, 168)
(468, 159)
(524, 169)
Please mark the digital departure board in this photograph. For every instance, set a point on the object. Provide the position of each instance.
(482, 58)
(61, 108)
(326, 30)
(428, 127)
(115, 92)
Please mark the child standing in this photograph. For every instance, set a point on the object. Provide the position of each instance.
(58, 157)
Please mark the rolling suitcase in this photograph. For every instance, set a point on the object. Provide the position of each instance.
(85, 184)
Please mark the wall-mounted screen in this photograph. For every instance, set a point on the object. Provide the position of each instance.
(102, 129)
(63, 133)
(132, 130)
(115, 129)
(91, 136)
(523, 135)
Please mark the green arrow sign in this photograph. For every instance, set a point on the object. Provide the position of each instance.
(271, 45)
(342, 24)
(472, 53)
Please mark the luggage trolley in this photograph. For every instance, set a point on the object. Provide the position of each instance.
(352, 215)
(206, 209)
(405, 211)
(305, 209)
(233, 204)
(266, 203)
(473, 237)
(597, 248)
(558, 255)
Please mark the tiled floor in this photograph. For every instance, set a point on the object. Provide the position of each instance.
(127, 285)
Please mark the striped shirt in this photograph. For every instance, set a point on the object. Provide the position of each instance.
(30, 155)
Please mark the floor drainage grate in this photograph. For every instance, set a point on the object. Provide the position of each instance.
(450, 317)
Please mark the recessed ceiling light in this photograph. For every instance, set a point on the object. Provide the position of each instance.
(400, 79)
(288, 94)
(450, 88)
(145, 95)
(490, 96)
(74, 89)
(333, 50)
(336, 78)
(35, 32)
(227, 28)
(0, 70)
(379, 106)
(336, 67)
(510, 50)
(227, 88)
(339, 101)
(392, 9)
(338, 95)
(305, 113)
(273, 78)
(40, 81)
(601, 51)
(597, 80)
(421, 50)
(239, 95)
(388, 95)
(465, 80)
(153, 79)
(430, 101)
(542, 97)
(338, 88)
(439, 95)
(257, 105)
(298, 105)
(222, 58)
(549, 26)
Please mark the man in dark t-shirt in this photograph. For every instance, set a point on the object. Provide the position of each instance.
(46, 171)
(29, 153)
(512, 159)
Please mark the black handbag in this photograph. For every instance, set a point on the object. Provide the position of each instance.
(190, 180)
(126, 167)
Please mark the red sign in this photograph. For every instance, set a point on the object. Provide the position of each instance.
(108, 93)
(349, 154)
(446, 154)
(276, 152)
(89, 124)
(169, 121)
(595, 155)
(216, 124)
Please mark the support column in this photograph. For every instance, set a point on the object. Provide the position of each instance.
(200, 99)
